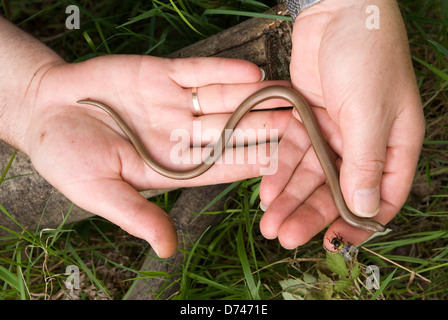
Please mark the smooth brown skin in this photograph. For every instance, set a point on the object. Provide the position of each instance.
(272, 92)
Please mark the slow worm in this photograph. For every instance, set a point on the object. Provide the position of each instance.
(272, 92)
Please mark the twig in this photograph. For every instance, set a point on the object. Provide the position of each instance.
(398, 265)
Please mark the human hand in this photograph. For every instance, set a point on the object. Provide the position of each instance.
(83, 153)
(363, 82)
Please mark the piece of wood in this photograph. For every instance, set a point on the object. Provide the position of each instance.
(265, 42)
(31, 200)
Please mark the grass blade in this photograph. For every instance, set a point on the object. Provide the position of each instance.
(90, 42)
(252, 287)
(181, 15)
(436, 71)
(8, 166)
(212, 283)
(383, 285)
(246, 14)
(89, 273)
(439, 47)
(9, 278)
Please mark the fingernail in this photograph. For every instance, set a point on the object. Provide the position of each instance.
(367, 202)
(263, 75)
(263, 206)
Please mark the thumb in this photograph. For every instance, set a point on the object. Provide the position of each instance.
(364, 141)
(118, 202)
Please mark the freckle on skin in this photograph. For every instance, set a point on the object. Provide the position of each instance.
(42, 136)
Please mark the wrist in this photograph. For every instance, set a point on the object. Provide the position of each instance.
(22, 109)
(335, 6)
(295, 7)
(24, 62)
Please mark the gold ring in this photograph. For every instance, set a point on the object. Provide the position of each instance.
(196, 107)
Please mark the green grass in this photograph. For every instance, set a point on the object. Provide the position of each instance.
(232, 260)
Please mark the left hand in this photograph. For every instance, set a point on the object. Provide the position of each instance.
(363, 82)
(82, 152)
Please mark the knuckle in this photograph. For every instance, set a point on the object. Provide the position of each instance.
(370, 167)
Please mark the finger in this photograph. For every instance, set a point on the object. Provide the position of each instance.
(255, 126)
(119, 203)
(234, 164)
(198, 72)
(396, 181)
(309, 219)
(186, 148)
(306, 178)
(404, 147)
(292, 147)
(364, 154)
(225, 98)
(178, 154)
(354, 235)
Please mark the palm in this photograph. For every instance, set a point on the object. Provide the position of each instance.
(82, 152)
